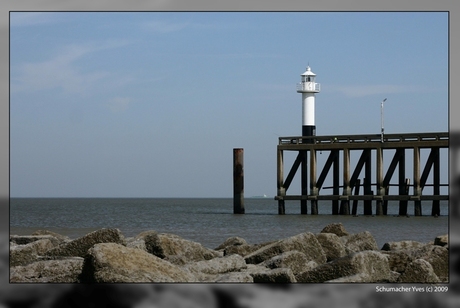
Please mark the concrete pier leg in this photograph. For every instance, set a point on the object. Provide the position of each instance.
(238, 181)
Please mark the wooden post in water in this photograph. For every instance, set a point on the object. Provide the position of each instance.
(354, 210)
(238, 181)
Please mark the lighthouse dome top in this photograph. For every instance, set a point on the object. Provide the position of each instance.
(308, 72)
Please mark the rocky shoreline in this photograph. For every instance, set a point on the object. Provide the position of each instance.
(333, 255)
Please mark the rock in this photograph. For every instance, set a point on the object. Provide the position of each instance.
(419, 271)
(243, 250)
(80, 246)
(27, 239)
(332, 246)
(234, 277)
(115, 263)
(294, 260)
(136, 243)
(304, 242)
(277, 275)
(398, 260)
(359, 242)
(58, 236)
(218, 265)
(25, 254)
(336, 228)
(178, 250)
(402, 245)
(364, 266)
(232, 241)
(442, 240)
(438, 257)
(51, 271)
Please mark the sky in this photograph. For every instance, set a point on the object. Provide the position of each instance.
(151, 104)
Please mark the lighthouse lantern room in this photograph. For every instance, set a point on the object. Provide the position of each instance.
(308, 87)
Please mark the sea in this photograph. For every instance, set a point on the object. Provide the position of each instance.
(210, 221)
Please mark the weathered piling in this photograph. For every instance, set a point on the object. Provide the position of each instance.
(238, 181)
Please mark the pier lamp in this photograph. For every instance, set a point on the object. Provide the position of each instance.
(381, 119)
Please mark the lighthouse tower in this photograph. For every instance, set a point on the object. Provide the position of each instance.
(308, 87)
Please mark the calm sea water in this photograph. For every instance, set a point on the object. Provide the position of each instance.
(211, 221)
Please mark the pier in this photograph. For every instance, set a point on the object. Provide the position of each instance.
(403, 149)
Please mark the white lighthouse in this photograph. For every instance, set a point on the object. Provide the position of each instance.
(308, 87)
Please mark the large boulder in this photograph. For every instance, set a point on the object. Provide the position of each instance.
(59, 237)
(332, 246)
(66, 270)
(398, 259)
(402, 245)
(419, 271)
(80, 246)
(295, 260)
(336, 228)
(365, 266)
(359, 242)
(304, 242)
(25, 254)
(277, 275)
(243, 250)
(234, 277)
(437, 256)
(442, 240)
(178, 250)
(27, 239)
(215, 266)
(115, 263)
(232, 241)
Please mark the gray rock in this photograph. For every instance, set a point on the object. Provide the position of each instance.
(402, 245)
(136, 243)
(115, 263)
(398, 259)
(336, 228)
(221, 265)
(304, 242)
(232, 241)
(234, 278)
(277, 275)
(296, 261)
(242, 250)
(80, 246)
(437, 256)
(442, 240)
(51, 271)
(178, 250)
(419, 271)
(365, 266)
(27, 239)
(359, 242)
(25, 254)
(332, 246)
(60, 237)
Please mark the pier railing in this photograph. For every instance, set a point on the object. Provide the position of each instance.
(373, 138)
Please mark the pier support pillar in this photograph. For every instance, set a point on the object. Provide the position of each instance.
(313, 183)
(304, 182)
(435, 210)
(238, 181)
(417, 188)
(380, 188)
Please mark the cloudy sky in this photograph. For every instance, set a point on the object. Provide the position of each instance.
(152, 104)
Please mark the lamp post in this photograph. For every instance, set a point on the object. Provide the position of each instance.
(381, 119)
